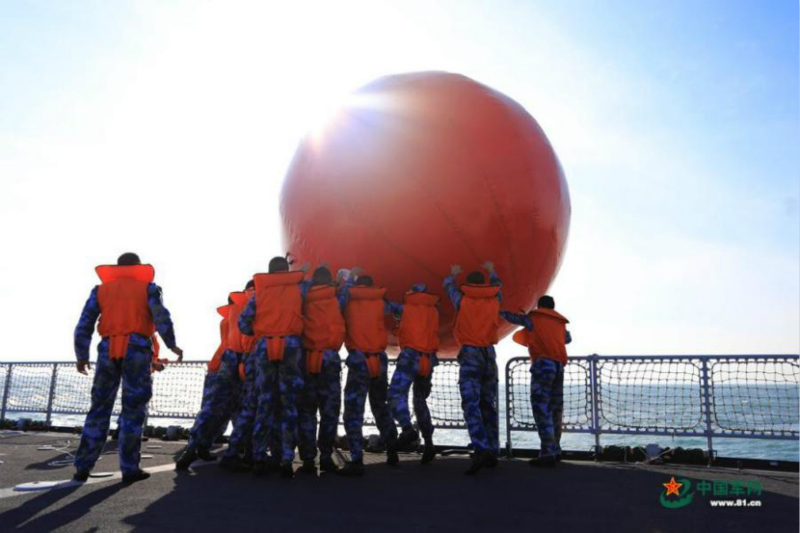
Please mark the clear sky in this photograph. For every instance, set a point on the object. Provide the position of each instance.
(165, 128)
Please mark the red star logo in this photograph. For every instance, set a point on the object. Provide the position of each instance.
(673, 487)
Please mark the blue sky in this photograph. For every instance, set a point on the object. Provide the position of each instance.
(137, 126)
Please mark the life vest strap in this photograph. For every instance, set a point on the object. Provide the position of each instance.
(314, 361)
(424, 365)
(373, 361)
(118, 346)
(275, 347)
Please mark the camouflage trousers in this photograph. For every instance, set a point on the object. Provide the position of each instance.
(359, 385)
(406, 374)
(221, 398)
(137, 388)
(278, 384)
(477, 382)
(321, 392)
(241, 440)
(547, 401)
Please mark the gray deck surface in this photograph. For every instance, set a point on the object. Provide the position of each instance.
(575, 497)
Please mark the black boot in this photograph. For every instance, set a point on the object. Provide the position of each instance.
(188, 456)
(206, 455)
(133, 477)
(428, 453)
(308, 467)
(327, 464)
(543, 462)
(287, 470)
(81, 476)
(479, 461)
(234, 464)
(392, 458)
(352, 469)
(407, 437)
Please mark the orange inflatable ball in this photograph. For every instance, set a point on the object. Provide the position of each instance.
(417, 172)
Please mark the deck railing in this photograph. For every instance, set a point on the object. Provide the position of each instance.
(744, 396)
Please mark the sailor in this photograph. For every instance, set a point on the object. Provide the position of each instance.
(274, 317)
(545, 334)
(238, 456)
(418, 337)
(224, 393)
(477, 319)
(321, 367)
(130, 310)
(366, 340)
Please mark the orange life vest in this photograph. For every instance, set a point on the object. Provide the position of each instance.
(419, 327)
(478, 318)
(364, 318)
(124, 308)
(224, 326)
(323, 325)
(548, 338)
(237, 341)
(279, 306)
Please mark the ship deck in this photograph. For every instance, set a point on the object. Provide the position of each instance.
(577, 496)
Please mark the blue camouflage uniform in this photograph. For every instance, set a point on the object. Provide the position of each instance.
(321, 392)
(240, 442)
(137, 386)
(478, 382)
(547, 392)
(278, 384)
(358, 387)
(406, 374)
(221, 398)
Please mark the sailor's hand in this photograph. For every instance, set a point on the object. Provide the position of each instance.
(289, 258)
(488, 266)
(455, 270)
(355, 271)
(177, 351)
(82, 366)
(304, 267)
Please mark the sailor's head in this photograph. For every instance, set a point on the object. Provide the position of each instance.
(321, 276)
(546, 302)
(476, 278)
(364, 281)
(128, 259)
(278, 264)
(249, 285)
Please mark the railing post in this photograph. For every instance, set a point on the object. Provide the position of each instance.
(595, 404)
(707, 407)
(51, 397)
(6, 390)
(509, 445)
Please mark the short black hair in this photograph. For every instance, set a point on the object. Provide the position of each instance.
(128, 259)
(322, 276)
(365, 281)
(546, 302)
(250, 285)
(476, 278)
(278, 264)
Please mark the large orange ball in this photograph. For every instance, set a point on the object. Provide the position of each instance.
(421, 171)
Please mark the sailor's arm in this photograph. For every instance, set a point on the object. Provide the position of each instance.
(84, 330)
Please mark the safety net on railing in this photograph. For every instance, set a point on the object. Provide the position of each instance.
(755, 395)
